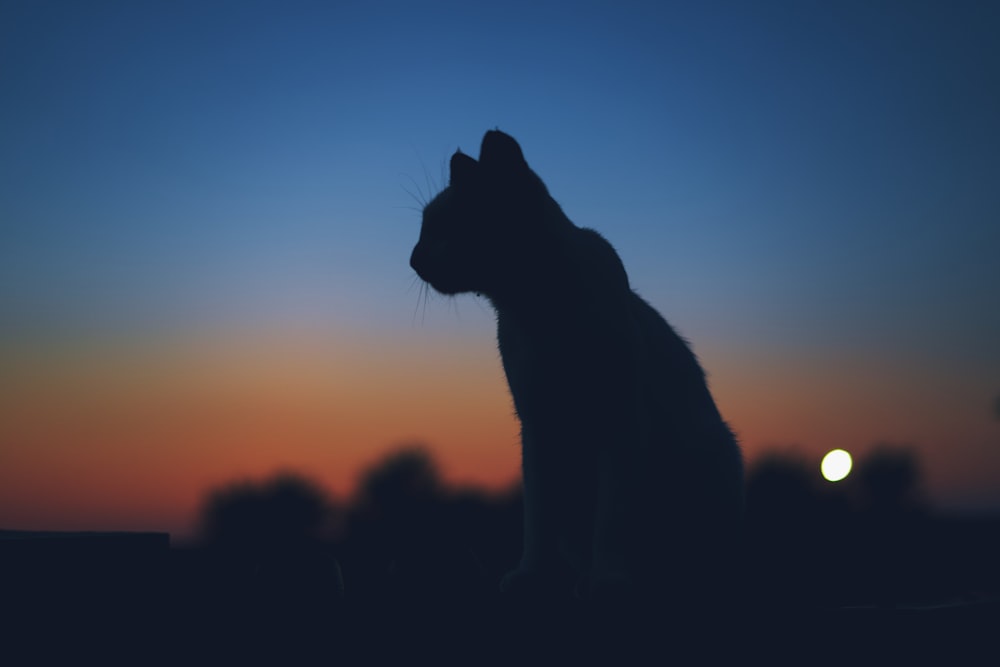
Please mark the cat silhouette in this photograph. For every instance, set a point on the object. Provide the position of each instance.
(632, 481)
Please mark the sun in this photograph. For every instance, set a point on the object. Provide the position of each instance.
(836, 465)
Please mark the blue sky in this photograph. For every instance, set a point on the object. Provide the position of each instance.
(787, 181)
(797, 152)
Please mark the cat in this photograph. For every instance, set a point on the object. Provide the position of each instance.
(632, 482)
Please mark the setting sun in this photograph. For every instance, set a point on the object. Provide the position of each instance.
(836, 465)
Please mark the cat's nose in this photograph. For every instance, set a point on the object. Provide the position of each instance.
(424, 257)
(416, 257)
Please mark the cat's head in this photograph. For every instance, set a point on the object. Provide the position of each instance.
(491, 228)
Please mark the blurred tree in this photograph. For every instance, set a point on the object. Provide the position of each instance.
(272, 543)
(403, 477)
(413, 538)
(893, 517)
(890, 480)
(286, 509)
(397, 504)
(793, 524)
(781, 489)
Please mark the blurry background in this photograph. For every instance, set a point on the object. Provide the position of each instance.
(206, 218)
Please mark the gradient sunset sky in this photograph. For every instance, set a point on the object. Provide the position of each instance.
(205, 224)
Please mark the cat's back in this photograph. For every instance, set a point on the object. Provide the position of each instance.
(694, 458)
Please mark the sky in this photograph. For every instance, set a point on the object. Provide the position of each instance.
(207, 210)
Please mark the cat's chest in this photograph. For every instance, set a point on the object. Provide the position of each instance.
(535, 368)
(566, 367)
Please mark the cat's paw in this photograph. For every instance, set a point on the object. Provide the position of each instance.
(537, 585)
(522, 581)
(611, 588)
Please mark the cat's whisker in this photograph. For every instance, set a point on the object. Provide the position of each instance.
(427, 296)
(423, 165)
(417, 199)
(423, 198)
(453, 305)
(427, 178)
(420, 300)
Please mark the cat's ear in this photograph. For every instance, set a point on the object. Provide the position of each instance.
(499, 150)
(463, 168)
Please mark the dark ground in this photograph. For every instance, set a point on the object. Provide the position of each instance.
(130, 597)
(408, 571)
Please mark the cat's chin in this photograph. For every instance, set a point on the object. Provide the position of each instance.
(448, 289)
(442, 285)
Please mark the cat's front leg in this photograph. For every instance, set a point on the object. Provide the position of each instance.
(539, 557)
(612, 576)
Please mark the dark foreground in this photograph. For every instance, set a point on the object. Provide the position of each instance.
(77, 598)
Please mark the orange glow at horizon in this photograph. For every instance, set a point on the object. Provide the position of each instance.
(109, 439)
(131, 436)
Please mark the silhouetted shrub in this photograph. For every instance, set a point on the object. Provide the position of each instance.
(287, 509)
(402, 477)
(889, 480)
(781, 489)
(270, 551)
(409, 535)
(806, 541)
